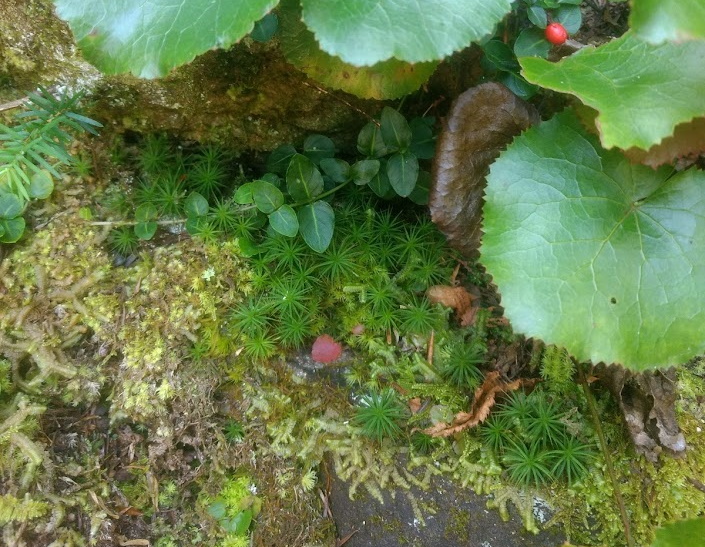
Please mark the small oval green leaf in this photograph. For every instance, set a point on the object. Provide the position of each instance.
(196, 205)
(10, 206)
(369, 141)
(338, 170)
(146, 212)
(532, 43)
(278, 160)
(570, 17)
(268, 198)
(396, 132)
(403, 170)
(13, 228)
(145, 230)
(316, 222)
(41, 185)
(380, 183)
(318, 147)
(537, 15)
(363, 171)
(284, 221)
(243, 195)
(303, 179)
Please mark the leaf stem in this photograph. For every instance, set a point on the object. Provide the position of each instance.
(320, 196)
(608, 459)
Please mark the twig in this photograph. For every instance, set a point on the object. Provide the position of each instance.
(13, 104)
(608, 460)
(346, 103)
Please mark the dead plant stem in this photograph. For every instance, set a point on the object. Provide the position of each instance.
(608, 459)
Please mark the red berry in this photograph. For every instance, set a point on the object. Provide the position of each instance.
(556, 34)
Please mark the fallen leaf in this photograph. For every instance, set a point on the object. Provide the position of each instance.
(481, 123)
(414, 405)
(457, 298)
(481, 405)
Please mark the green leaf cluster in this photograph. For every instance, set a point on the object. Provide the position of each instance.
(235, 506)
(295, 194)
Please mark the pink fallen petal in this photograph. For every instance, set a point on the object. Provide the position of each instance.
(325, 349)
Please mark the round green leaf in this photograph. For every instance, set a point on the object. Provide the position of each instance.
(240, 523)
(518, 85)
(10, 206)
(316, 222)
(570, 17)
(338, 170)
(243, 195)
(592, 253)
(537, 16)
(403, 170)
(196, 205)
(532, 43)
(362, 171)
(265, 28)
(12, 229)
(284, 221)
(146, 212)
(268, 198)
(151, 37)
(145, 230)
(303, 179)
(318, 147)
(365, 32)
(41, 185)
(217, 509)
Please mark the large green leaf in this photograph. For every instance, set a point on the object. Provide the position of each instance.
(284, 221)
(384, 80)
(660, 20)
(12, 229)
(151, 37)
(595, 254)
(641, 91)
(365, 32)
(316, 223)
(680, 533)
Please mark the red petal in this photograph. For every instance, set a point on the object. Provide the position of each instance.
(325, 349)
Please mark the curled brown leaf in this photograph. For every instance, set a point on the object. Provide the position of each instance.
(481, 405)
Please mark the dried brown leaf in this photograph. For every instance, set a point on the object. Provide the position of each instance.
(457, 298)
(480, 124)
(688, 139)
(481, 405)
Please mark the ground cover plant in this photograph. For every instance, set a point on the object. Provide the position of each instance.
(160, 321)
